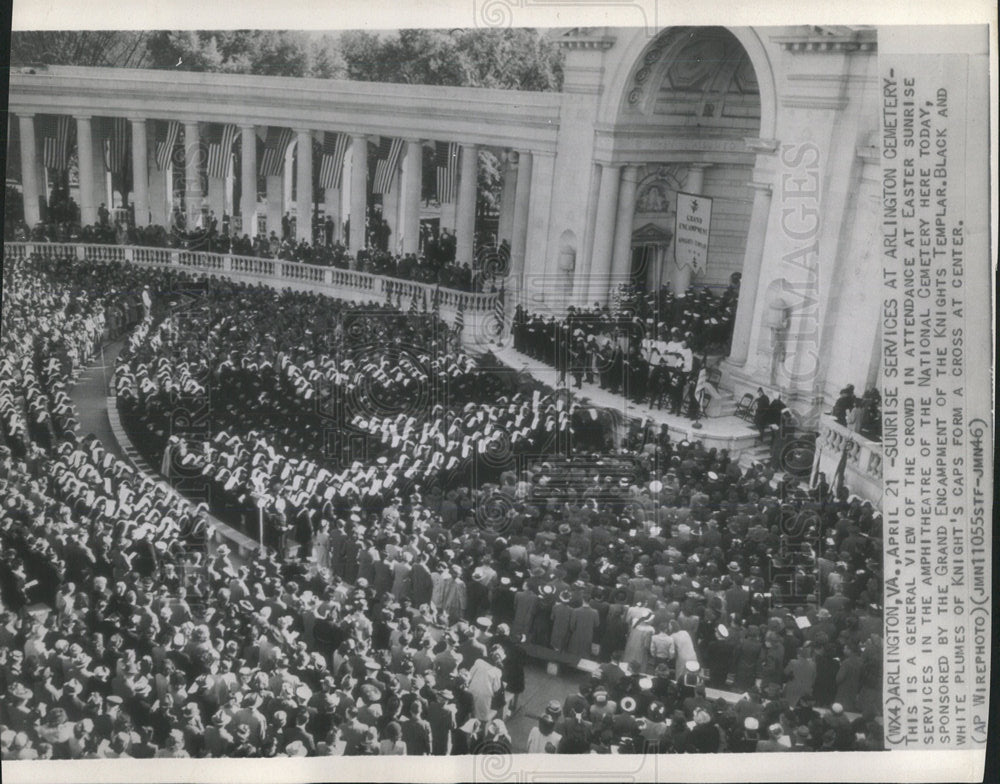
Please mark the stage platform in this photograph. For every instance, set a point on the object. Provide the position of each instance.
(721, 432)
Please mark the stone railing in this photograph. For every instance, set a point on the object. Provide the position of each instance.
(863, 465)
(333, 281)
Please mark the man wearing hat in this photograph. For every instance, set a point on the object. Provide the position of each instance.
(744, 737)
(719, 656)
(174, 746)
(543, 739)
(561, 615)
(602, 705)
(776, 740)
(704, 737)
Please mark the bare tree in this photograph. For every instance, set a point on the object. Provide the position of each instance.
(117, 48)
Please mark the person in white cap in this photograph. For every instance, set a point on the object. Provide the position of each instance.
(684, 649)
(719, 656)
(776, 739)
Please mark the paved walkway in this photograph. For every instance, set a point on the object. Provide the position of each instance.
(90, 396)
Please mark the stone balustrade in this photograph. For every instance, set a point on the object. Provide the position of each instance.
(863, 464)
(278, 273)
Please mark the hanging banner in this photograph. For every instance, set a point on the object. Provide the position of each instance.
(694, 220)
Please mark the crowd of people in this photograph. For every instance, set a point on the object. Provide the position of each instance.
(429, 528)
(435, 263)
(652, 349)
(863, 414)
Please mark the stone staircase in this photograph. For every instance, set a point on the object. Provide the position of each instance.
(757, 452)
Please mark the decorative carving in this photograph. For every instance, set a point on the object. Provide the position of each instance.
(830, 39)
(653, 199)
(701, 64)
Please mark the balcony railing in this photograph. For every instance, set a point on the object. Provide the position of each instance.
(863, 463)
(341, 283)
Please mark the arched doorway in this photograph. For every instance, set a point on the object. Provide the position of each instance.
(691, 99)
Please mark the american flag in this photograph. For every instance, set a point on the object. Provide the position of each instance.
(389, 151)
(56, 133)
(275, 146)
(446, 154)
(331, 167)
(499, 310)
(116, 145)
(220, 150)
(167, 132)
(460, 316)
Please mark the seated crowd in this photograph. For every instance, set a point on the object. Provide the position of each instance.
(425, 533)
(653, 350)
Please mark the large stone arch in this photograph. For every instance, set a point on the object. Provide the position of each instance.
(689, 98)
(633, 45)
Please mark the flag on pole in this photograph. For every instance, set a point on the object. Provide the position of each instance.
(499, 312)
(460, 316)
(116, 145)
(220, 150)
(167, 132)
(423, 304)
(446, 155)
(436, 300)
(413, 303)
(276, 144)
(389, 152)
(331, 167)
(56, 133)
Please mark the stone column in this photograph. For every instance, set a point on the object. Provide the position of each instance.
(331, 207)
(621, 265)
(359, 192)
(506, 224)
(750, 278)
(581, 274)
(465, 219)
(680, 277)
(519, 224)
(248, 179)
(140, 172)
(102, 192)
(29, 169)
(412, 176)
(192, 174)
(42, 178)
(304, 189)
(287, 180)
(604, 233)
(229, 182)
(216, 198)
(541, 285)
(159, 212)
(85, 167)
(275, 194)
